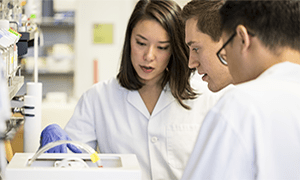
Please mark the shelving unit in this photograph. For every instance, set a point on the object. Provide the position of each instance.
(15, 80)
(54, 32)
(17, 84)
(50, 22)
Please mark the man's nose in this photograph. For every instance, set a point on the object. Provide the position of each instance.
(193, 63)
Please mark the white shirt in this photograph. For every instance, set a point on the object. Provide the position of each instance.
(118, 121)
(253, 132)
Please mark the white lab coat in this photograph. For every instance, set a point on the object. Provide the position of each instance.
(118, 121)
(253, 132)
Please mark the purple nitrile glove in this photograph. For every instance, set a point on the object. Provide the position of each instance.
(54, 132)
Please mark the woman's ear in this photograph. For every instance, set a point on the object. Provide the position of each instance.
(243, 36)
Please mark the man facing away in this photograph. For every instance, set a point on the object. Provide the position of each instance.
(253, 132)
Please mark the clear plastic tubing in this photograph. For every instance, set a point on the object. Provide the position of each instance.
(86, 147)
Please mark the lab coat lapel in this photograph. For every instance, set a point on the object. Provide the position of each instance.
(136, 100)
(164, 100)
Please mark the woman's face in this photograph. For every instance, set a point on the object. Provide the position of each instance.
(150, 50)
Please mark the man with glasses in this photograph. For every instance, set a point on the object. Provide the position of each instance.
(253, 132)
(203, 36)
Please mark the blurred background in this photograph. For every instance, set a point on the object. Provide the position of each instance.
(80, 43)
(73, 50)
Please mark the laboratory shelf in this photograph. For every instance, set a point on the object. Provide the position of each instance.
(17, 83)
(52, 22)
(48, 73)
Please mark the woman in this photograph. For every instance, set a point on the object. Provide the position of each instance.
(146, 109)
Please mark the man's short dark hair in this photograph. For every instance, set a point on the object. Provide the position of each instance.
(207, 14)
(275, 23)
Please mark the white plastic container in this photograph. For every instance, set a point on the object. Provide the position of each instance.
(115, 167)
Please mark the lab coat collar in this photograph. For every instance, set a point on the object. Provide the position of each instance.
(280, 70)
(164, 100)
(136, 100)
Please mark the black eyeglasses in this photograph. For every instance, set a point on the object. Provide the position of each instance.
(222, 59)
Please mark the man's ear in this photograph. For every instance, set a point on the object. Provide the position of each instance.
(243, 36)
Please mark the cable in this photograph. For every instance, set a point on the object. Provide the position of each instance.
(93, 154)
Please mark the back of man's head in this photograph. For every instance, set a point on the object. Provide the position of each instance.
(275, 23)
(207, 15)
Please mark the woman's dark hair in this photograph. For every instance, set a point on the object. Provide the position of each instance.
(168, 14)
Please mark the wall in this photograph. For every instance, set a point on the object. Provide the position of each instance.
(88, 13)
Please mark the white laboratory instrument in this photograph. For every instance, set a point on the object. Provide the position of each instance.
(4, 116)
(4, 100)
(32, 125)
(50, 166)
(65, 166)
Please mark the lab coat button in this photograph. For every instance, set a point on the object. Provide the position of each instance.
(154, 139)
